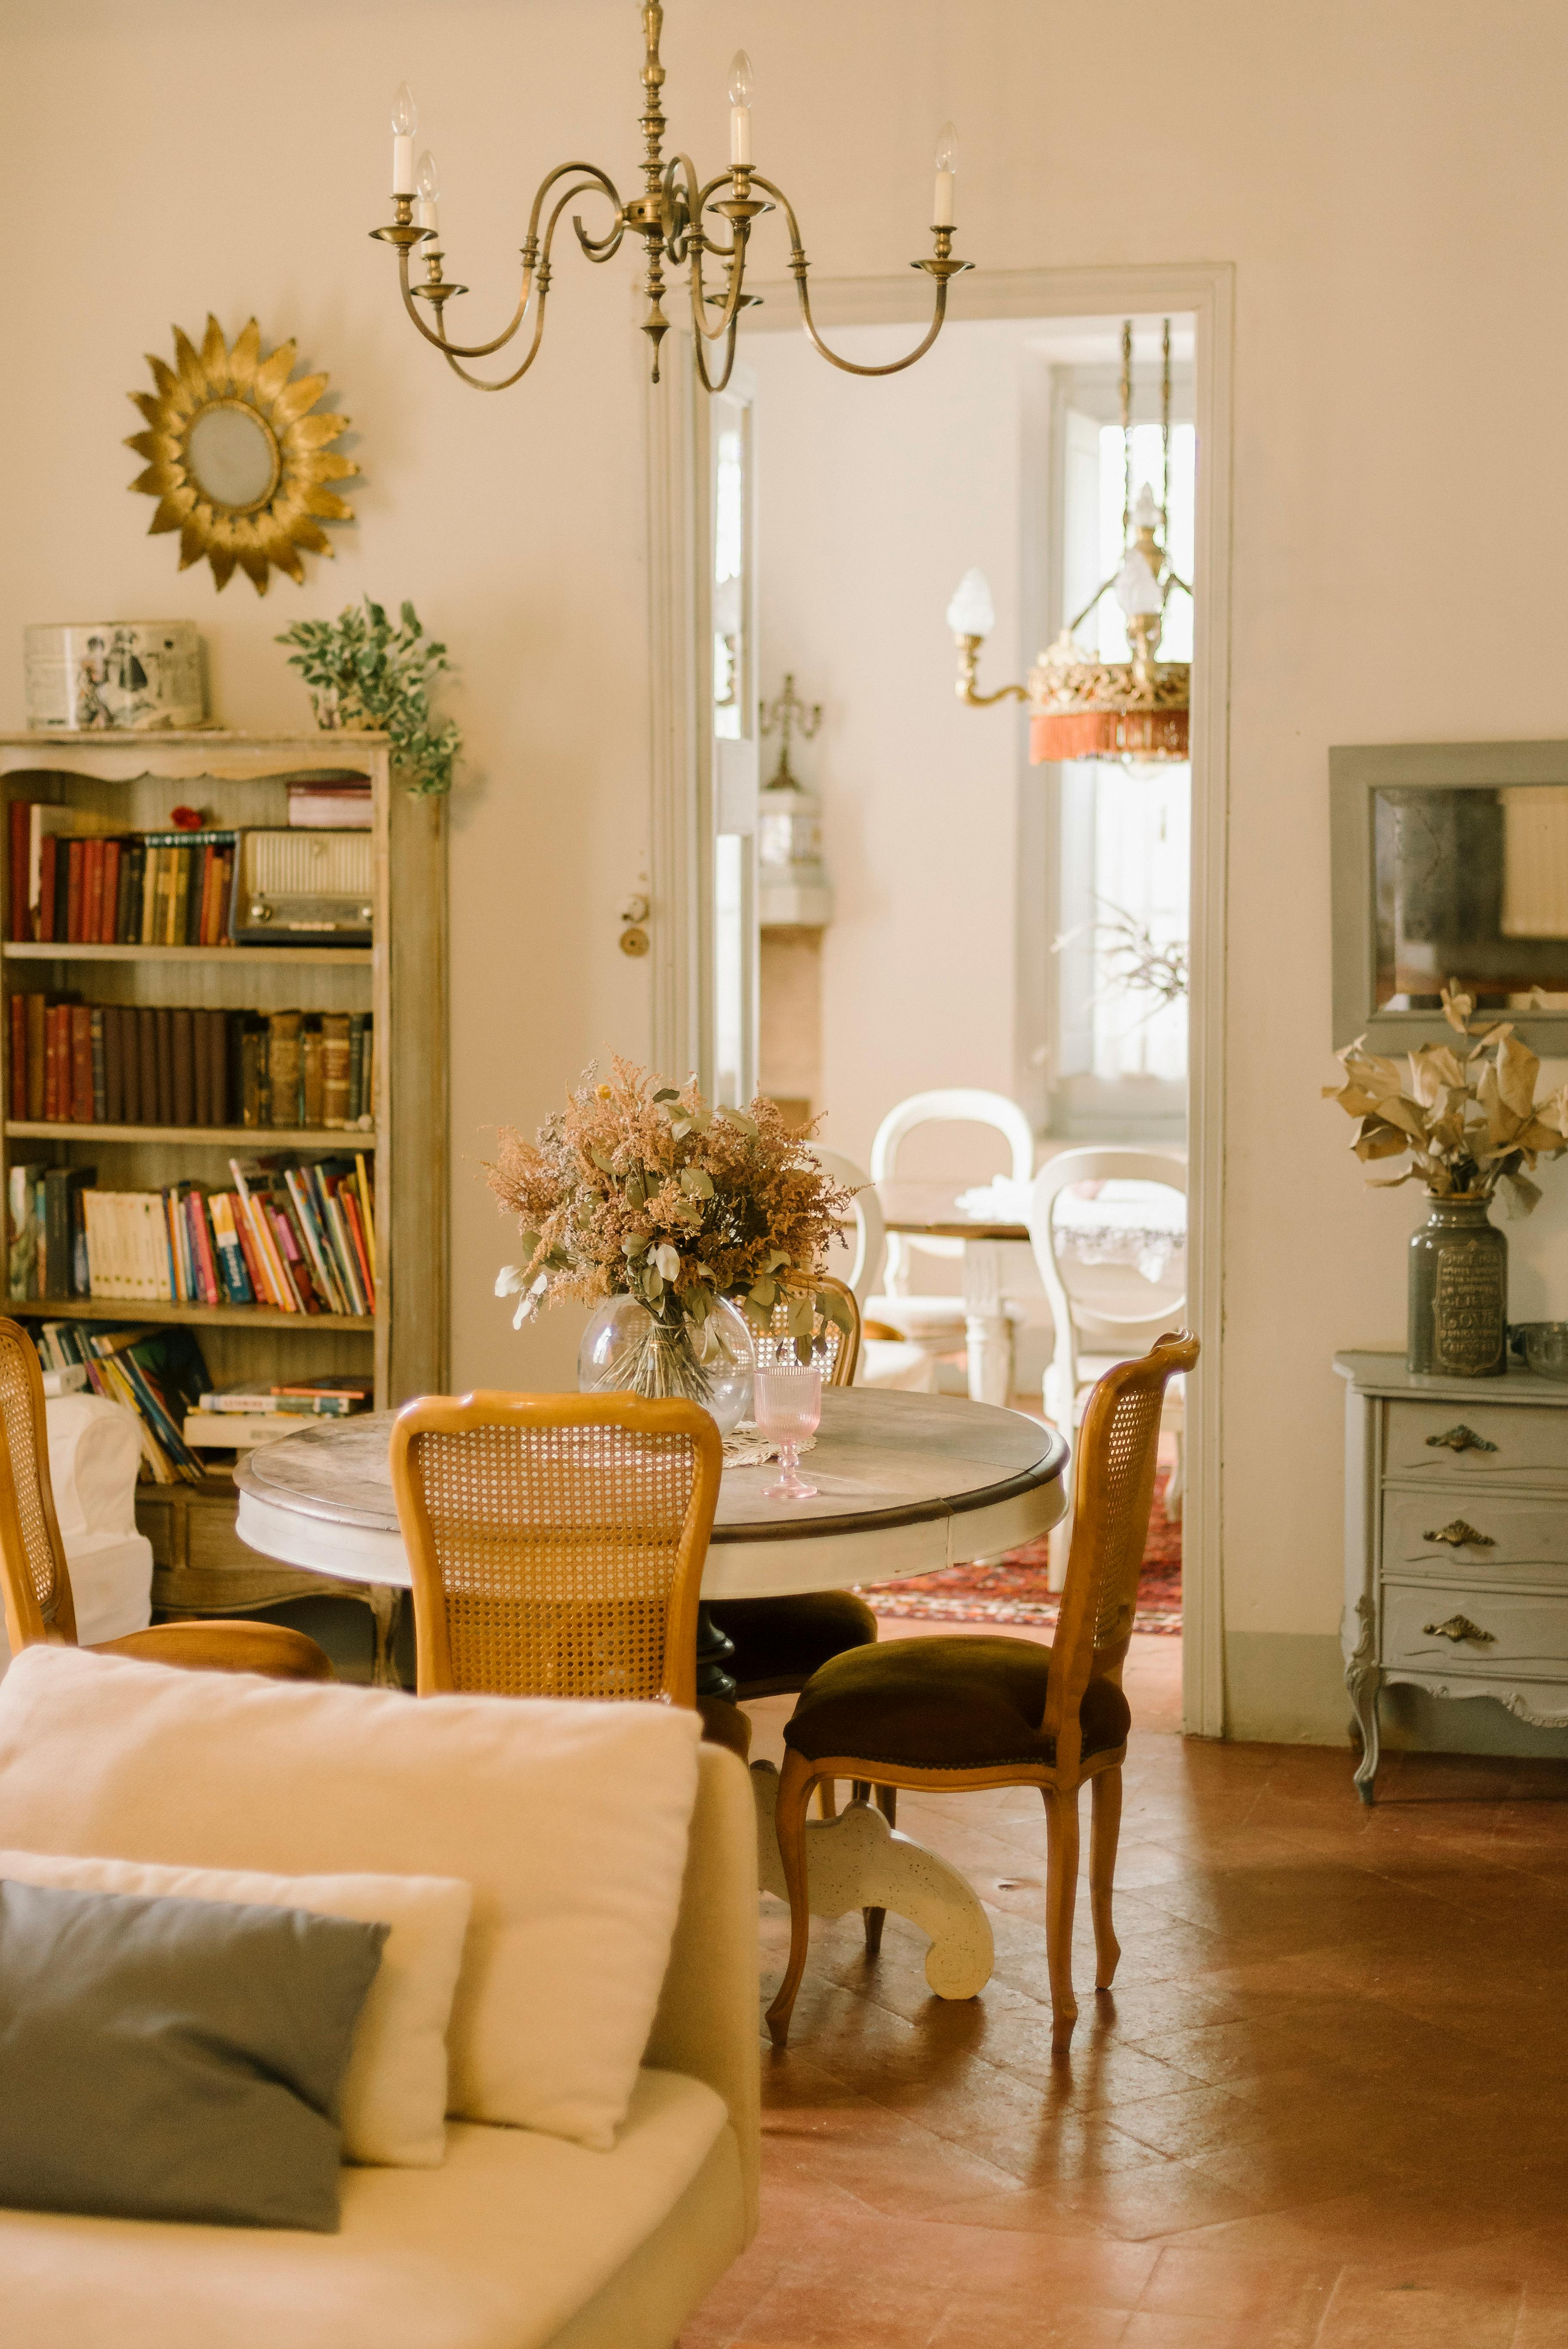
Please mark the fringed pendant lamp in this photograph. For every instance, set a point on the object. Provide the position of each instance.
(1135, 710)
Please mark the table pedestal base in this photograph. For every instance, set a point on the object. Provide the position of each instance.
(857, 1861)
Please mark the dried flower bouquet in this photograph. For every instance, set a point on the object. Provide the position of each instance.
(644, 1192)
(1466, 1124)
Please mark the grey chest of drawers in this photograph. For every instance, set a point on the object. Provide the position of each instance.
(1455, 1541)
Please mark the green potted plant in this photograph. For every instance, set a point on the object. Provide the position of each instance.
(364, 672)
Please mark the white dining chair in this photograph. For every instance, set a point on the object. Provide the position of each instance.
(939, 1322)
(884, 1361)
(1107, 1312)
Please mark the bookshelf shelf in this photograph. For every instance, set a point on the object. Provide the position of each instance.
(224, 1317)
(335, 1141)
(237, 957)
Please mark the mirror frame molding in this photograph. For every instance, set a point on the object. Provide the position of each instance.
(275, 530)
(1355, 773)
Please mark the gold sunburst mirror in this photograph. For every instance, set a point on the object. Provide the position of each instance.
(236, 458)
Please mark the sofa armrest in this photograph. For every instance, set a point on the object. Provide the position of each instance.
(706, 2026)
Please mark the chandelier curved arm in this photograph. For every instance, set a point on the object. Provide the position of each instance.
(592, 182)
(942, 269)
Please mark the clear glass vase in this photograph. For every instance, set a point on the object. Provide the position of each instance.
(627, 1348)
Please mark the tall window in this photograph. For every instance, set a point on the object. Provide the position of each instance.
(1122, 836)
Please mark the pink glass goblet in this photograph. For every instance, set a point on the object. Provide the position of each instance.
(788, 1408)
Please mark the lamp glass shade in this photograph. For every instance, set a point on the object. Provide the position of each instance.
(972, 612)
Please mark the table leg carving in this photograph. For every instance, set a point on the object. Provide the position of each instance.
(988, 1331)
(857, 1861)
(1363, 1678)
(384, 1603)
(714, 1650)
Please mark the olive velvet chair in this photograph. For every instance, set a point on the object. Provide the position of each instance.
(947, 1713)
(35, 1582)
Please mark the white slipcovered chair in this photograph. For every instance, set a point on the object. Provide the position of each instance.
(1107, 1311)
(94, 1453)
(884, 1361)
(938, 1323)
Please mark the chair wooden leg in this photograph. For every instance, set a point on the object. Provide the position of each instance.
(1061, 1892)
(1105, 1827)
(827, 1798)
(795, 1782)
(874, 1919)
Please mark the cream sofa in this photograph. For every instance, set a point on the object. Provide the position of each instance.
(518, 2239)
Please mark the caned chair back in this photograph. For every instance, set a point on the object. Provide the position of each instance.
(33, 1579)
(837, 1351)
(865, 1272)
(556, 1542)
(1113, 1493)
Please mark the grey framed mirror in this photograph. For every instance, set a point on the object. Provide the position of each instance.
(1449, 860)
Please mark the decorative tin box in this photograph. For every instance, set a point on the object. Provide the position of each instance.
(115, 675)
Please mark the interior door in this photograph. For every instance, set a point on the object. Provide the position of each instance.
(728, 932)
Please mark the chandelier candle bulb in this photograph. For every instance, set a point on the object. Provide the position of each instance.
(405, 122)
(946, 171)
(426, 214)
(740, 89)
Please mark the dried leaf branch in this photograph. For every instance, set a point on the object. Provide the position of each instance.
(644, 1191)
(1465, 1124)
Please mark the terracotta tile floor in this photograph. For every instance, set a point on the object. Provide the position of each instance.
(1324, 2105)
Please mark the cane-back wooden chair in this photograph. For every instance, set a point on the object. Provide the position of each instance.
(947, 1713)
(556, 1542)
(779, 1643)
(35, 1579)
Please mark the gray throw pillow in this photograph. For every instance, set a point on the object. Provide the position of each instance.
(175, 2059)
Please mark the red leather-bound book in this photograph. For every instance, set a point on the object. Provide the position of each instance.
(57, 1060)
(81, 1094)
(74, 892)
(92, 892)
(19, 1056)
(48, 849)
(108, 905)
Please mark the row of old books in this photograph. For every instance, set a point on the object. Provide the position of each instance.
(299, 1237)
(236, 1417)
(75, 1063)
(72, 884)
(158, 1373)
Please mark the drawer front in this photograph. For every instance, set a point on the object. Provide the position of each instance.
(1479, 1441)
(1482, 1537)
(1491, 1635)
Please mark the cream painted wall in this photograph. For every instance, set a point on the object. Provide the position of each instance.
(1391, 183)
(872, 504)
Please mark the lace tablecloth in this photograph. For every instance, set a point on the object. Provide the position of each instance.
(749, 1448)
(1143, 1225)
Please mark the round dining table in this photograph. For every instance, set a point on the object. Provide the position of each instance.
(906, 1484)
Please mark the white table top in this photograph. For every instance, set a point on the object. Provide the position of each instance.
(906, 1484)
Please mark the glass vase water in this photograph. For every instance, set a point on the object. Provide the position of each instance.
(626, 1349)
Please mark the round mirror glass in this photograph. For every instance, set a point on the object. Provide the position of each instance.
(233, 456)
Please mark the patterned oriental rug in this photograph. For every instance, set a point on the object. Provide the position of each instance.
(1013, 1589)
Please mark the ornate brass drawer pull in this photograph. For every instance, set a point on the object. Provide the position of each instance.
(1461, 1439)
(1459, 1536)
(1460, 1627)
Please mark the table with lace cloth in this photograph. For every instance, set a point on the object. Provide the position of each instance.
(1141, 1226)
(905, 1484)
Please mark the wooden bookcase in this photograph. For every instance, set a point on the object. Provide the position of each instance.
(240, 781)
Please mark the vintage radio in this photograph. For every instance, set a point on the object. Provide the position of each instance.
(304, 888)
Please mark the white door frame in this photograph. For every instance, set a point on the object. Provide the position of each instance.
(674, 441)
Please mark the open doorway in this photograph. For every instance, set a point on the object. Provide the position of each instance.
(950, 934)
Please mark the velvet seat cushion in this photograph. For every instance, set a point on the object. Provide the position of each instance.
(959, 1704)
(781, 1642)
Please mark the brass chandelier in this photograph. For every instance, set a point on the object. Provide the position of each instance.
(672, 217)
(1137, 709)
